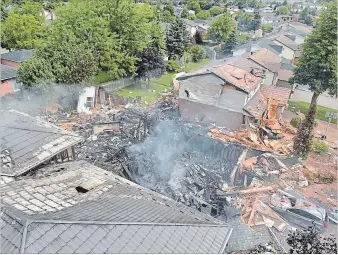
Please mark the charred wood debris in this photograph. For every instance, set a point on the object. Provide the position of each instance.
(218, 172)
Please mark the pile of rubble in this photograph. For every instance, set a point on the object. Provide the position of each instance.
(6, 160)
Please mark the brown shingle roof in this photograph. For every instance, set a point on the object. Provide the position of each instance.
(287, 42)
(278, 93)
(284, 75)
(233, 75)
(267, 59)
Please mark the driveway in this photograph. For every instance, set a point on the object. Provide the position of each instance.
(323, 100)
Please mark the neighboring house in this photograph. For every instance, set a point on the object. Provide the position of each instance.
(191, 12)
(222, 94)
(9, 85)
(268, 18)
(27, 142)
(267, 10)
(270, 61)
(202, 25)
(286, 18)
(280, 95)
(283, 79)
(178, 10)
(191, 27)
(15, 58)
(290, 47)
(248, 9)
(255, 46)
(80, 208)
(91, 97)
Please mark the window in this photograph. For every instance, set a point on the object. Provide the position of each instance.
(90, 102)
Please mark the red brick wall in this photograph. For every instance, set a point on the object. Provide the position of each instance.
(9, 63)
(6, 87)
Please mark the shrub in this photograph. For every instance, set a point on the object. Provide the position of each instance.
(295, 122)
(197, 53)
(320, 147)
(172, 66)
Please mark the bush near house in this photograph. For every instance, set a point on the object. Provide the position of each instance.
(197, 53)
(320, 147)
(295, 122)
(267, 28)
(172, 66)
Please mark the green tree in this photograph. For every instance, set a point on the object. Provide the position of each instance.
(35, 71)
(169, 7)
(256, 22)
(177, 39)
(283, 10)
(205, 4)
(185, 13)
(267, 28)
(305, 16)
(167, 17)
(231, 42)
(203, 14)
(193, 5)
(317, 67)
(197, 53)
(21, 31)
(215, 10)
(243, 21)
(221, 28)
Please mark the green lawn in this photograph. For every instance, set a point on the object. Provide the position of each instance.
(242, 38)
(320, 113)
(158, 84)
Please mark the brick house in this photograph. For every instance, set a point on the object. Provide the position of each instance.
(9, 85)
(15, 58)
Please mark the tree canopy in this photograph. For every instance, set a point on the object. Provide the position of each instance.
(221, 28)
(177, 39)
(203, 14)
(317, 67)
(87, 36)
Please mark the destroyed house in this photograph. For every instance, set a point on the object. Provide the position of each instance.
(27, 142)
(219, 95)
(85, 209)
(270, 61)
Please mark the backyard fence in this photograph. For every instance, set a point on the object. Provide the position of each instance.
(122, 83)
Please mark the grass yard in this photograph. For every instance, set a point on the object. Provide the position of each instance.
(158, 84)
(320, 113)
(242, 38)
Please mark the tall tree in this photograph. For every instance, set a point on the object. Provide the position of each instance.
(317, 67)
(177, 39)
(185, 13)
(231, 42)
(221, 28)
(256, 22)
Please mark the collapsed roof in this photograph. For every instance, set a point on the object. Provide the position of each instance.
(85, 209)
(27, 142)
(232, 75)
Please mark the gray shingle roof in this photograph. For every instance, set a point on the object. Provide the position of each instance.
(29, 142)
(114, 216)
(17, 55)
(7, 72)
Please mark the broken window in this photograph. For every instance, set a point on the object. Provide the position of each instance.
(90, 102)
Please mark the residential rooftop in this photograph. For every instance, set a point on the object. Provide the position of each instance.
(277, 93)
(267, 59)
(7, 72)
(27, 142)
(17, 55)
(287, 42)
(85, 209)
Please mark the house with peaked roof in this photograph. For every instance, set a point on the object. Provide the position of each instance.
(76, 207)
(9, 85)
(16, 57)
(224, 94)
(290, 47)
(270, 61)
(283, 79)
(280, 95)
(28, 142)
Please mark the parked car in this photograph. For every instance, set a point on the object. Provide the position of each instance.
(299, 212)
